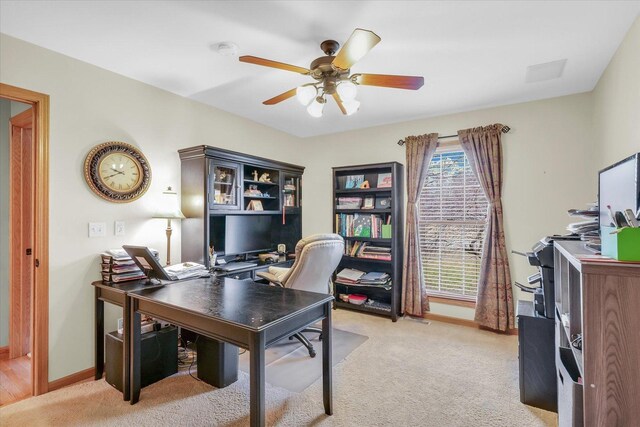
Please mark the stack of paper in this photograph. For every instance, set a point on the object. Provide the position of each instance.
(186, 270)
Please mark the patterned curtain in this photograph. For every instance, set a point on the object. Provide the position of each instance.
(494, 306)
(420, 149)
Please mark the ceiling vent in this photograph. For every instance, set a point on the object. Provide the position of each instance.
(546, 71)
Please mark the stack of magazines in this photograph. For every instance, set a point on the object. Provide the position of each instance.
(350, 276)
(186, 270)
(117, 266)
(588, 230)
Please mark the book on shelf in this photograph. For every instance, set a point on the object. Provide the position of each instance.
(362, 225)
(359, 249)
(349, 203)
(384, 180)
(354, 181)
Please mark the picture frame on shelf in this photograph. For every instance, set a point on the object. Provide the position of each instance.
(383, 202)
(385, 180)
(255, 205)
(369, 202)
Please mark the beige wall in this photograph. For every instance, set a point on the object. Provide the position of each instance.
(547, 168)
(89, 106)
(616, 103)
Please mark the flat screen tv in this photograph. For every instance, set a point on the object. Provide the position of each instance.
(241, 234)
(619, 187)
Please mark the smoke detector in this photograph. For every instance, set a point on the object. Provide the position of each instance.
(227, 49)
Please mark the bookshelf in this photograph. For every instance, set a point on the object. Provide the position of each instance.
(373, 236)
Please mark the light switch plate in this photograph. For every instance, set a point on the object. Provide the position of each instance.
(119, 228)
(97, 229)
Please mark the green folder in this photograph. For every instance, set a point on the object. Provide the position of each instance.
(386, 231)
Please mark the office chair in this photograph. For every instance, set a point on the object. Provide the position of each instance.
(317, 257)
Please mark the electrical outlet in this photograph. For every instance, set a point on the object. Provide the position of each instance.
(119, 228)
(97, 229)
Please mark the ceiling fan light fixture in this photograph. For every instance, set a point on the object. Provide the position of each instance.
(306, 93)
(315, 108)
(351, 106)
(347, 91)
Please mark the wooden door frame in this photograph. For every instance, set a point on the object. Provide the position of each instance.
(40, 296)
(21, 237)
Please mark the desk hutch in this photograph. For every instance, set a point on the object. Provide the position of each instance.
(218, 182)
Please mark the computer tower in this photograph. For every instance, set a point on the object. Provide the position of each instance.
(217, 362)
(159, 356)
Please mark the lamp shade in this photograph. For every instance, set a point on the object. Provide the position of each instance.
(169, 206)
(351, 106)
(315, 108)
(305, 94)
(347, 91)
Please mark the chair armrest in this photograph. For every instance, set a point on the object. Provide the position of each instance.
(278, 271)
(272, 278)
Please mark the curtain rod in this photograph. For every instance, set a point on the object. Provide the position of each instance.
(505, 129)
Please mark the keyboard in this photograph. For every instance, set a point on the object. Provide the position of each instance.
(233, 266)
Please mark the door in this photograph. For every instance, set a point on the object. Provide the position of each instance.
(21, 233)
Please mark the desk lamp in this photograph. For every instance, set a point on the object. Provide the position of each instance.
(169, 209)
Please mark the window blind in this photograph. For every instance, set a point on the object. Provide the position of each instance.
(451, 226)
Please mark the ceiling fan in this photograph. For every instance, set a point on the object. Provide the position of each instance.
(332, 75)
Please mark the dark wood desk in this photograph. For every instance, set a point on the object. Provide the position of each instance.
(245, 314)
(114, 293)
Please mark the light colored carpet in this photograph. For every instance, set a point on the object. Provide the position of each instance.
(289, 365)
(406, 373)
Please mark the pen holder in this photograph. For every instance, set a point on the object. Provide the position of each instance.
(623, 246)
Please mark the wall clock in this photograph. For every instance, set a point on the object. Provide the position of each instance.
(117, 172)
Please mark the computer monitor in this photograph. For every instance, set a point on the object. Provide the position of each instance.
(145, 260)
(241, 234)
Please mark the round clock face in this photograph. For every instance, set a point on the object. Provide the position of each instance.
(117, 172)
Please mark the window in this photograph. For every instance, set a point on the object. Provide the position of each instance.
(451, 226)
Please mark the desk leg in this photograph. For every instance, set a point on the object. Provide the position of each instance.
(327, 362)
(256, 380)
(126, 350)
(99, 335)
(134, 350)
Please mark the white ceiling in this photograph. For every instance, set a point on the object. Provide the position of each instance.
(472, 54)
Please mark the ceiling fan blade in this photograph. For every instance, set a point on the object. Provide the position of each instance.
(386, 80)
(339, 102)
(283, 96)
(273, 64)
(360, 42)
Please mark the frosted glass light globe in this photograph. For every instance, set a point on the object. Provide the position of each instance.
(351, 106)
(347, 91)
(306, 94)
(315, 109)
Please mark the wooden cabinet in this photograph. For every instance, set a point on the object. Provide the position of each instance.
(380, 207)
(597, 338)
(218, 182)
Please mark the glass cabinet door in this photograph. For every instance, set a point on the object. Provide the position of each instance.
(223, 185)
(291, 191)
